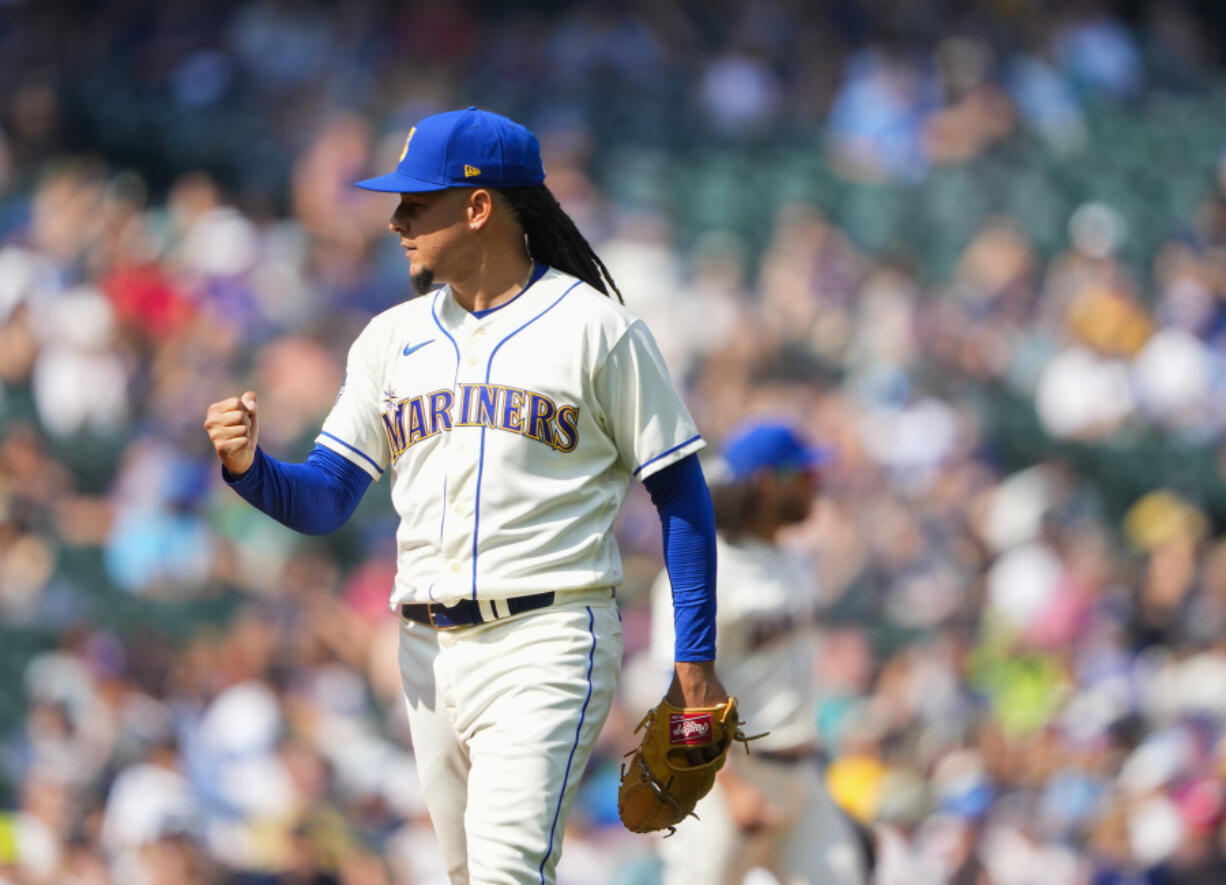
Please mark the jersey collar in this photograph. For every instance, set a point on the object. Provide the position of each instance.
(455, 316)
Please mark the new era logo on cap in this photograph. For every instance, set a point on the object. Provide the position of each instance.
(451, 148)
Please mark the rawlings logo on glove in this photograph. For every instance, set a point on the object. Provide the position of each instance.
(664, 781)
(689, 728)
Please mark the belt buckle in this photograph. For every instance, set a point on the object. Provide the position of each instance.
(435, 624)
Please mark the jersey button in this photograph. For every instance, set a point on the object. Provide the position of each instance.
(472, 360)
(455, 566)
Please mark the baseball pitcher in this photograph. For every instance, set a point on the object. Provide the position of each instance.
(509, 404)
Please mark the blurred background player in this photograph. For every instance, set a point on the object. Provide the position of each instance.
(770, 808)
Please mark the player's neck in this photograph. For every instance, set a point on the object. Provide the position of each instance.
(497, 280)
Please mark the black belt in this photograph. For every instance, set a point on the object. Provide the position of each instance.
(468, 611)
(795, 756)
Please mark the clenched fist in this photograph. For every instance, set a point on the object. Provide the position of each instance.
(234, 431)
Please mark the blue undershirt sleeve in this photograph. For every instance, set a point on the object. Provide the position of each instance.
(315, 497)
(687, 520)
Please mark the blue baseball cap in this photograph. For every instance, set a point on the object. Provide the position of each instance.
(769, 445)
(468, 148)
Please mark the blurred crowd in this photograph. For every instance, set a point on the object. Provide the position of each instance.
(1022, 541)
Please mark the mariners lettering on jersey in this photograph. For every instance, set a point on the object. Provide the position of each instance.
(409, 420)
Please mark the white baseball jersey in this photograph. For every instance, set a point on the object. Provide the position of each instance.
(766, 637)
(511, 437)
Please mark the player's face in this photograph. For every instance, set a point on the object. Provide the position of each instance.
(432, 228)
(791, 494)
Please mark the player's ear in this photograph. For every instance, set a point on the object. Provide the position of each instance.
(479, 208)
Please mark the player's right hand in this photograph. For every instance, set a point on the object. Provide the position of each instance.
(234, 431)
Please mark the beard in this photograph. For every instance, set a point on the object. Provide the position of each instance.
(423, 281)
(796, 511)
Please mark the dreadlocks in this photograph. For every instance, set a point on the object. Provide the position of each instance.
(736, 504)
(553, 238)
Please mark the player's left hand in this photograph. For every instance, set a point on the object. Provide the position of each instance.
(695, 684)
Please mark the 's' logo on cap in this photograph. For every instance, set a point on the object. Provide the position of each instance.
(404, 150)
(471, 171)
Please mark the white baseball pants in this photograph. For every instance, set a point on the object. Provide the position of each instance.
(503, 717)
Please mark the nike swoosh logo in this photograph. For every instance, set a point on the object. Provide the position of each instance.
(409, 348)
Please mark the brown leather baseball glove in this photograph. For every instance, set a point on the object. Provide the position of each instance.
(664, 781)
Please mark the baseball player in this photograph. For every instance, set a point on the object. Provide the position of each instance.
(510, 408)
(769, 809)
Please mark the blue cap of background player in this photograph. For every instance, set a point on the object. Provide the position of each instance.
(468, 148)
(769, 445)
